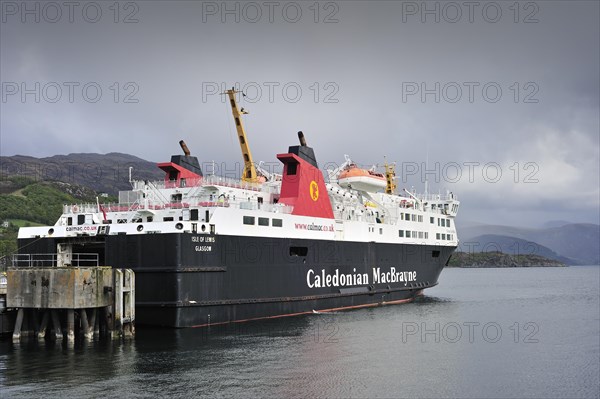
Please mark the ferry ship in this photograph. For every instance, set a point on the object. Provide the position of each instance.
(209, 250)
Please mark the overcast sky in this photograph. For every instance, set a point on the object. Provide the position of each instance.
(500, 101)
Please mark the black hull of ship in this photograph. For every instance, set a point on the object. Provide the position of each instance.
(191, 280)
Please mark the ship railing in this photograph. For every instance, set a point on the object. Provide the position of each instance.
(80, 208)
(209, 180)
(155, 206)
(254, 206)
(235, 183)
(51, 260)
(437, 197)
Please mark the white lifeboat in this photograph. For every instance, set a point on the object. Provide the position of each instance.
(361, 179)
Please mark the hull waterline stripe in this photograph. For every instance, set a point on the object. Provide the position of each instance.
(367, 305)
(275, 300)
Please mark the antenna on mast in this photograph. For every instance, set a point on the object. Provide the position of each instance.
(426, 168)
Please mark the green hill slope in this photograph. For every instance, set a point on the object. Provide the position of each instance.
(25, 202)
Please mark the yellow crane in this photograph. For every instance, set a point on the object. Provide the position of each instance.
(390, 177)
(249, 174)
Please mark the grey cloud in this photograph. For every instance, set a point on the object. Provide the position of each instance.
(370, 56)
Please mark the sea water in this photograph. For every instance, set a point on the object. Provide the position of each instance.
(501, 333)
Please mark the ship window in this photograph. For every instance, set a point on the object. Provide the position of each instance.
(426, 235)
(400, 233)
(380, 230)
(149, 219)
(407, 216)
(402, 216)
(437, 236)
(277, 223)
(69, 221)
(291, 168)
(407, 233)
(194, 214)
(176, 198)
(167, 219)
(421, 218)
(298, 251)
(420, 234)
(431, 219)
(443, 236)
(121, 221)
(435, 254)
(413, 217)
(447, 222)
(80, 219)
(263, 221)
(249, 220)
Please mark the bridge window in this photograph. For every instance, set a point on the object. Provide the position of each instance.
(291, 168)
(277, 223)
(249, 220)
(263, 221)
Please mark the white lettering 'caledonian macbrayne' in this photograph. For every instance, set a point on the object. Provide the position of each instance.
(315, 280)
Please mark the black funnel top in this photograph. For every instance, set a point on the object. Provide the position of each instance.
(303, 151)
(189, 162)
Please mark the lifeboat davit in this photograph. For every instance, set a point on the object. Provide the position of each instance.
(361, 179)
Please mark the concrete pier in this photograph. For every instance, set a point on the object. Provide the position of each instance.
(70, 299)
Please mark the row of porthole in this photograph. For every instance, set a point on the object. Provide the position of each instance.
(140, 227)
(178, 226)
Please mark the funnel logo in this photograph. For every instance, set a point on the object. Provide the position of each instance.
(314, 190)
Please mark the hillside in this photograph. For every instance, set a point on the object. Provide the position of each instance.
(104, 173)
(27, 202)
(498, 259)
(510, 246)
(576, 241)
